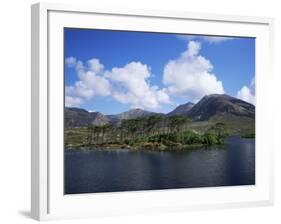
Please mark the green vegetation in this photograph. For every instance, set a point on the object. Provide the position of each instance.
(187, 138)
(151, 132)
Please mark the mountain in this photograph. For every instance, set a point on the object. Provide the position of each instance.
(134, 113)
(217, 106)
(220, 104)
(76, 117)
(98, 119)
(182, 109)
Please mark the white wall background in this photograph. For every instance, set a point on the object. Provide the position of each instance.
(15, 111)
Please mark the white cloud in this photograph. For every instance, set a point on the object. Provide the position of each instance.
(70, 61)
(131, 86)
(90, 83)
(209, 39)
(247, 93)
(190, 75)
(128, 85)
(95, 65)
(72, 101)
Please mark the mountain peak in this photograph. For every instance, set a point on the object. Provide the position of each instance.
(76, 109)
(134, 113)
(182, 109)
(218, 104)
(77, 117)
(217, 95)
(135, 110)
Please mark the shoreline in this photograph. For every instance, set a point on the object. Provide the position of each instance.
(143, 147)
(139, 148)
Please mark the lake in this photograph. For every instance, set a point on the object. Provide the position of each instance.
(90, 171)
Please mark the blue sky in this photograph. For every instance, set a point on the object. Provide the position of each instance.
(114, 71)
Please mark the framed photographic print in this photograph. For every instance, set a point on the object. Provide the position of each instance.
(146, 111)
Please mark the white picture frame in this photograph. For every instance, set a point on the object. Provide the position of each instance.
(47, 198)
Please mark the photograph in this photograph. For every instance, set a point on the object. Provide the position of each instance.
(157, 111)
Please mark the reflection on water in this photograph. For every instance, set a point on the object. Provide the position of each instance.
(89, 171)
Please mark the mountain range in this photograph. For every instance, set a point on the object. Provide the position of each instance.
(210, 106)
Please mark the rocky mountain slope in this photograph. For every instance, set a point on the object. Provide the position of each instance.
(76, 117)
(134, 113)
(182, 109)
(221, 104)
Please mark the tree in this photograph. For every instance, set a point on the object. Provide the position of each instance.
(105, 132)
(220, 129)
(97, 130)
(209, 139)
(90, 135)
(177, 124)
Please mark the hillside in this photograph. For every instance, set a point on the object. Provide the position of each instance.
(76, 117)
(182, 109)
(219, 105)
(134, 113)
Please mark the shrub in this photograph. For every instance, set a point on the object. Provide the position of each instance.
(210, 139)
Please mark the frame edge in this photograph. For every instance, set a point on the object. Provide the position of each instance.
(35, 177)
(39, 96)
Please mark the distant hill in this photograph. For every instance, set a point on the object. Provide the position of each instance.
(182, 109)
(134, 113)
(76, 117)
(221, 104)
(98, 119)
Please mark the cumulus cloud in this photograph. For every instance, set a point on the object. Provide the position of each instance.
(131, 86)
(247, 93)
(128, 85)
(190, 75)
(209, 39)
(95, 65)
(90, 83)
(71, 101)
(70, 61)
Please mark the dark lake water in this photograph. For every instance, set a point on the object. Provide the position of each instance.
(89, 171)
